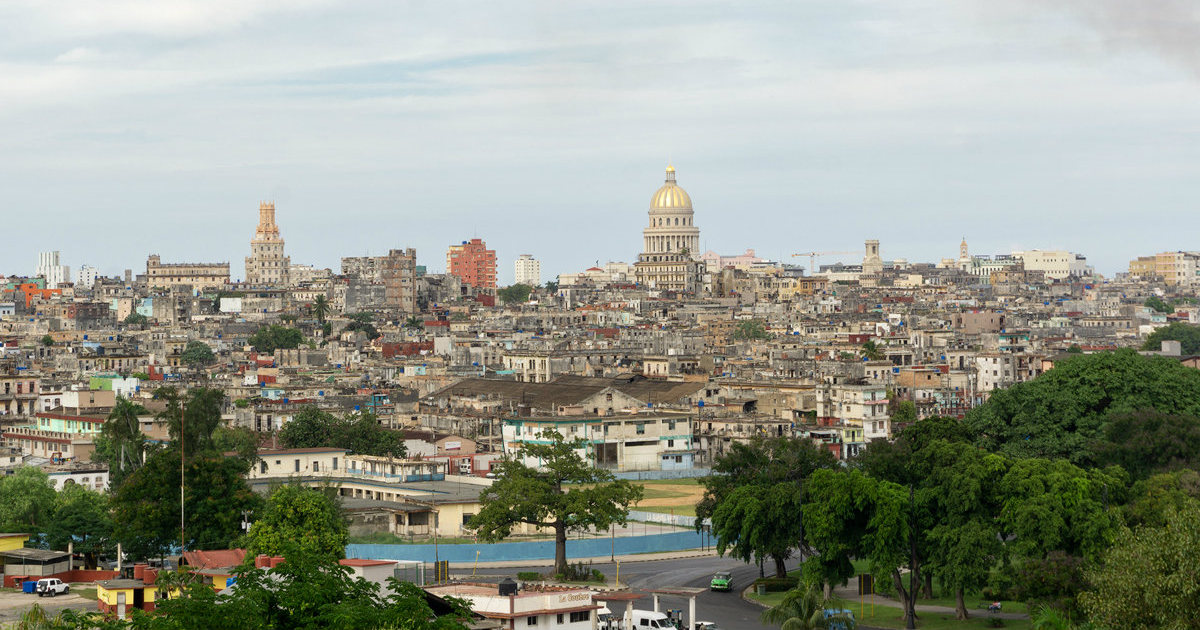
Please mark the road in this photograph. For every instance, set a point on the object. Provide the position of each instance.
(727, 610)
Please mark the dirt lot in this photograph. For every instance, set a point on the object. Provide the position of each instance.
(13, 604)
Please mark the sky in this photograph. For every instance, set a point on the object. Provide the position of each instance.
(132, 127)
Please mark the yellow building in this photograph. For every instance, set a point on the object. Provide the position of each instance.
(8, 542)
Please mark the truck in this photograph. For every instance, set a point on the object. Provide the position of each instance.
(52, 587)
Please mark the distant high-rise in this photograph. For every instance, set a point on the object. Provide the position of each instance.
(527, 270)
(51, 268)
(473, 263)
(267, 265)
(86, 276)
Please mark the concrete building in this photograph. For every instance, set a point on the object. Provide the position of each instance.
(872, 263)
(1173, 268)
(534, 606)
(621, 442)
(473, 263)
(267, 265)
(200, 276)
(398, 272)
(527, 270)
(86, 276)
(51, 268)
(1057, 264)
(670, 258)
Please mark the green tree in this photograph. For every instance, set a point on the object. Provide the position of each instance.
(197, 353)
(27, 501)
(121, 443)
(81, 517)
(192, 417)
(1149, 442)
(762, 463)
(904, 414)
(359, 433)
(553, 495)
(1061, 412)
(136, 319)
(751, 330)
(756, 522)
(306, 591)
(361, 322)
(803, 608)
(241, 441)
(551, 286)
(275, 337)
(308, 518)
(515, 294)
(1151, 500)
(1156, 303)
(1187, 335)
(1149, 578)
(320, 308)
(146, 506)
(47, 341)
(961, 540)
(414, 321)
(872, 351)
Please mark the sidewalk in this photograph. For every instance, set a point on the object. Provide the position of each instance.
(850, 595)
(641, 557)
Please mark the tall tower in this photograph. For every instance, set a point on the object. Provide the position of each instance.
(872, 263)
(267, 265)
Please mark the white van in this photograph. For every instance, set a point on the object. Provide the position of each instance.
(651, 619)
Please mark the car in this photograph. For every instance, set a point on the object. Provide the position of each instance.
(721, 581)
(839, 619)
(52, 587)
(705, 625)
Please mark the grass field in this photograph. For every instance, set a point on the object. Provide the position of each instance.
(670, 496)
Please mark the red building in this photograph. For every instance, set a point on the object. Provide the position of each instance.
(473, 263)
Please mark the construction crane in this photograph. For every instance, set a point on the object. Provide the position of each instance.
(812, 259)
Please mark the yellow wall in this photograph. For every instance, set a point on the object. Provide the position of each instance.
(110, 596)
(8, 543)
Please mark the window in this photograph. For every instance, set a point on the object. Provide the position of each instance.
(670, 443)
(582, 615)
(531, 620)
(641, 429)
(262, 468)
(559, 619)
(316, 466)
(297, 465)
(335, 463)
(671, 425)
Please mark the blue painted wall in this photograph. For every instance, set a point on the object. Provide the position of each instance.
(539, 550)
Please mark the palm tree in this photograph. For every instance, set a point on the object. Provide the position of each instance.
(872, 351)
(413, 322)
(320, 308)
(803, 608)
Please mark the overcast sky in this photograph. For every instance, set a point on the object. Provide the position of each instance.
(132, 127)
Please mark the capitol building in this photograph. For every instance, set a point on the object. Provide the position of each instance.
(670, 259)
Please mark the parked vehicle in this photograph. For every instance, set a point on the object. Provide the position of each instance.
(721, 581)
(52, 587)
(651, 619)
(705, 625)
(840, 619)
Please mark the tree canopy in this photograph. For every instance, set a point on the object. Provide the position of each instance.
(751, 330)
(1150, 577)
(563, 493)
(1061, 412)
(275, 337)
(1156, 303)
(136, 319)
(358, 432)
(121, 444)
(515, 294)
(82, 518)
(197, 353)
(27, 500)
(308, 520)
(1187, 335)
(1149, 442)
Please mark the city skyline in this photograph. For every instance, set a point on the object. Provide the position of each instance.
(794, 128)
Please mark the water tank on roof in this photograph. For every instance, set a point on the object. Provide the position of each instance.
(507, 586)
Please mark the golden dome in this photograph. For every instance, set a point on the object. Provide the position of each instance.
(670, 196)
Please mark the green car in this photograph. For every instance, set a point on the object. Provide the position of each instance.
(721, 582)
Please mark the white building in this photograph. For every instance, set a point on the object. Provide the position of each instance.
(527, 270)
(533, 606)
(1057, 265)
(620, 442)
(86, 276)
(51, 268)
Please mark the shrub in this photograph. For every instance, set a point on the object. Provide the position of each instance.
(777, 584)
(528, 576)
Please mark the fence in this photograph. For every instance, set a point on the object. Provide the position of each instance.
(647, 475)
(677, 520)
(534, 550)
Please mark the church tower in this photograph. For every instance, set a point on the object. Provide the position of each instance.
(267, 266)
